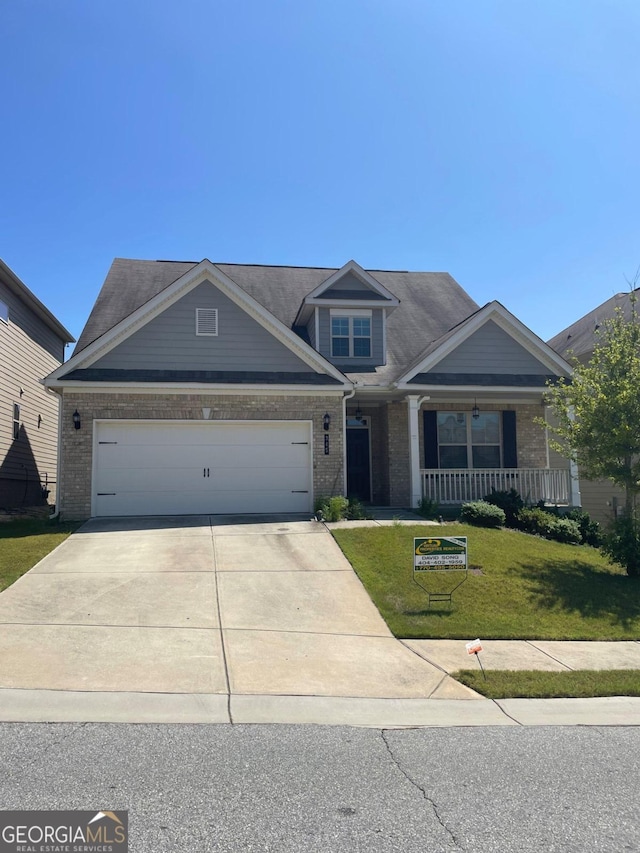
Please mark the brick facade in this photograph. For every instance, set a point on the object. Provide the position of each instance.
(398, 448)
(77, 445)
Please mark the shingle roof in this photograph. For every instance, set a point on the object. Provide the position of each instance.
(580, 338)
(431, 303)
(11, 280)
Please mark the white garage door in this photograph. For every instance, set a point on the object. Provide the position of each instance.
(201, 467)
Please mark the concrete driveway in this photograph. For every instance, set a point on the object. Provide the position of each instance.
(205, 619)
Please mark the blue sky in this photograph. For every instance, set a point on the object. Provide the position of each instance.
(498, 140)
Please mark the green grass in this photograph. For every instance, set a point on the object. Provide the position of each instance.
(528, 587)
(526, 684)
(24, 543)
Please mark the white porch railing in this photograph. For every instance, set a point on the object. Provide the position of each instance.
(457, 485)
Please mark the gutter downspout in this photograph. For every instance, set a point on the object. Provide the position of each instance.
(346, 397)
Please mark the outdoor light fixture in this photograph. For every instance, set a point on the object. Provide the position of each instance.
(76, 419)
(475, 412)
(326, 421)
(359, 414)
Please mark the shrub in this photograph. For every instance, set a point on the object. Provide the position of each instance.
(566, 530)
(338, 508)
(482, 514)
(622, 544)
(509, 501)
(539, 522)
(535, 521)
(589, 529)
(332, 509)
(355, 510)
(427, 508)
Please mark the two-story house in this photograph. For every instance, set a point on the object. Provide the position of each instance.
(228, 388)
(32, 344)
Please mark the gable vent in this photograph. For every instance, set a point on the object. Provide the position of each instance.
(207, 321)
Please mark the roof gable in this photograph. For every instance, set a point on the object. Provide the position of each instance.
(349, 286)
(579, 339)
(169, 341)
(489, 342)
(194, 276)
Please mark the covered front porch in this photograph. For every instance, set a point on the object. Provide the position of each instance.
(458, 485)
(400, 451)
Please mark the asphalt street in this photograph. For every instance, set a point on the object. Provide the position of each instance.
(293, 789)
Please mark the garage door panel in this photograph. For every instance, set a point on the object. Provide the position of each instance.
(155, 479)
(201, 433)
(148, 458)
(151, 468)
(292, 478)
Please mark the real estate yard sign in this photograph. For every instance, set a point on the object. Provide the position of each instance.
(440, 554)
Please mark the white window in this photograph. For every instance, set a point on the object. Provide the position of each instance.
(16, 421)
(207, 321)
(4, 312)
(350, 334)
(467, 442)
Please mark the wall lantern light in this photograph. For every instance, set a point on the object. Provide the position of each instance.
(359, 414)
(475, 412)
(326, 421)
(76, 419)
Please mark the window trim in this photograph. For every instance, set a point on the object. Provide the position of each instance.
(351, 314)
(207, 317)
(16, 421)
(469, 445)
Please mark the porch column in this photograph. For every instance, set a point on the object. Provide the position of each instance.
(576, 498)
(415, 491)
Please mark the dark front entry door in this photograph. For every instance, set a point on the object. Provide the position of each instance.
(358, 465)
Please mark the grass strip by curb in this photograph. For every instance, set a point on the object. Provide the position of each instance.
(530, 684)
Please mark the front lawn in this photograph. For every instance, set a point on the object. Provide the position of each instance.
(527, 684)
(521, 587)
(24, 543)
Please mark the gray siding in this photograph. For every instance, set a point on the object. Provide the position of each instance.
(348, 282)
(311, 330)
(377, 341)
(169, 341)
(490, 350)
(29, 350)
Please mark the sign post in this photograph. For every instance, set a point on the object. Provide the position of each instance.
(439, 554)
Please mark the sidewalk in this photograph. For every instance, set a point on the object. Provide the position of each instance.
(554, 656)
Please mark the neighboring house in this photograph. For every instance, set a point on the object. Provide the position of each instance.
(32, 344)
(602, 499)
(224, 388)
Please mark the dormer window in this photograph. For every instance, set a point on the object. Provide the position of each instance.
(350, 333)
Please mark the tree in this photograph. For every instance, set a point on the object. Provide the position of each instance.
(597, 415)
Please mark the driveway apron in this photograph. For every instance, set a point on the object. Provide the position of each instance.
(209, 607)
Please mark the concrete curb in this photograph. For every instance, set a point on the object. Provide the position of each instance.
(61, 706)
